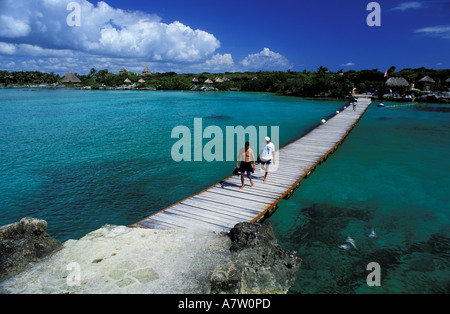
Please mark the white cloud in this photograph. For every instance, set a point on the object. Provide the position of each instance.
(265, 60)
(442, 31)
(12, 27)
(408, 5)
(7, 49)
(104, 31)
(10, 65)
(31, 51)
(220, 63)
(349, 64)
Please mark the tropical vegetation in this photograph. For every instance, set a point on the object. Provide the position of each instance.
(305, 83)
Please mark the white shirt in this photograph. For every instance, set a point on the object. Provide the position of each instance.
(267, 151)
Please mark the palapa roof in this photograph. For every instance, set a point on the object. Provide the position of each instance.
(219, 80)
(146, 71)
(122, 70)
(194, 80)
(70, 78)
(208, 81)
(427, 79)
(397, 82)
(141, 81)
(127, 81)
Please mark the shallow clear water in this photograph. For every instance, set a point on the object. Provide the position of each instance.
(391, 174)
(82, 159)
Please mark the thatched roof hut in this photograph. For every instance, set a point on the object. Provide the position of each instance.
(219, 80)
(127, 81)
(194, 80)
(122, 70)
(141, 81)
(146, 71)
(70, 78)
(427, 79)
(208, 81)
(397, 82)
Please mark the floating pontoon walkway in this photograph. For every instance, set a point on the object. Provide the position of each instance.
(223, 205)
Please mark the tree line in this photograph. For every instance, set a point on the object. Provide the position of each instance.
(321, 82)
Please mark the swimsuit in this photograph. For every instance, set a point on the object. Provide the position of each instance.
(246, 166)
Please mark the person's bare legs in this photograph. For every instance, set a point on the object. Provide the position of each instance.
(242, 180)
(265, 177)
(250, 177)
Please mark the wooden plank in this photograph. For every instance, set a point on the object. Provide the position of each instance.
(255, 207)
(189, 222)
(253, 190)
(165, 224)
(218, 206)
(275, 183)
(152, 224)
(258, 181)
(194, 201)
(203, 215)
(237, 214)
(259, 186)
(239, 195)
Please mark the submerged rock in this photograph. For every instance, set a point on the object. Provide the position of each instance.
(22, 243)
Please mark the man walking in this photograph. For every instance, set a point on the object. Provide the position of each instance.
(267, 157)
(247, 158)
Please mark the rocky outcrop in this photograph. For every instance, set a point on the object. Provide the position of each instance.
(22, 243)
(259, 264)
(118, 259)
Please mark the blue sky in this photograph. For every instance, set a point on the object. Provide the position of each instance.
(219, 36)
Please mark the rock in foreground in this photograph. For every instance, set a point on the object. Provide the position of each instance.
(259, 264)
(118, 259)
(22, 243)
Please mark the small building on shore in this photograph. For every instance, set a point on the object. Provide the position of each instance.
(426, 83)
(122, 70)
(127, 81)
(146, 71)
(70, 78)
(398, 84)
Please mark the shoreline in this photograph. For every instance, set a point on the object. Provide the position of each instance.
(432, 97)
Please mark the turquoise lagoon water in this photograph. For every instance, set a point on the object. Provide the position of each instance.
(82, 159)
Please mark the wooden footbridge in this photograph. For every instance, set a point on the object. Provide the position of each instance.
(223, 205)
